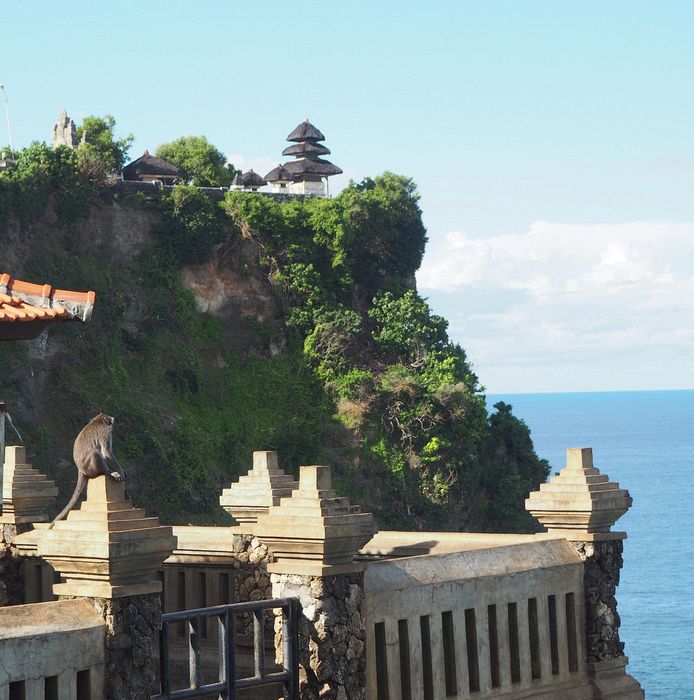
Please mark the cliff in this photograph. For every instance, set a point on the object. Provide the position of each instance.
(221, 328)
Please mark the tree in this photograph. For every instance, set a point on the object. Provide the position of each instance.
(42, 171)
(102, 151)
(384, 234)
(203, 164)
(406, 330)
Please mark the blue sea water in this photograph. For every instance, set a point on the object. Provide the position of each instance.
(645, 441)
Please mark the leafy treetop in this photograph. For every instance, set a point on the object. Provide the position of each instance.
(203, 164)
(102, 146)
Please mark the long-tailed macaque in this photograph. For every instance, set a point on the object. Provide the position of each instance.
(93, 455)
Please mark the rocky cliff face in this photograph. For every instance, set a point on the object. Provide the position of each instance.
(163, 343)
(225, 327)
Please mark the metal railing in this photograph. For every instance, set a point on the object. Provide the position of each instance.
(228, 684)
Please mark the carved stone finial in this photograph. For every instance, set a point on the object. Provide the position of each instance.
(579, 499)
(254, 493)
(25, 491)
(107, 548)
(315, 532)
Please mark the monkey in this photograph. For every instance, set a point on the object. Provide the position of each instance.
(93, 455)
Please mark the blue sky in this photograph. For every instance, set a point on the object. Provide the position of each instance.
(553, 145)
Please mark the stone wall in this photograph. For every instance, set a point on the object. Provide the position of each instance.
(251, 579)
(214, 193)
(11, 579)
(131, 623)
(332, 638)
(62, 640)
(602, 564)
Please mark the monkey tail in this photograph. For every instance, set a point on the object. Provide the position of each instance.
(81, 481)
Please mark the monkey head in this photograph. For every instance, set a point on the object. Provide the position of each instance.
(103, 418)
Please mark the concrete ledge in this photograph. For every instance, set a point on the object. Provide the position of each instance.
(50, 639)
(402, 574)
(393, 543)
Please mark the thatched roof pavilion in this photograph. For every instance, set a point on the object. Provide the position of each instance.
(249, 180)
(148, 168)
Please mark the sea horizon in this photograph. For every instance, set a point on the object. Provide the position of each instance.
(644, 440)
(588, 391)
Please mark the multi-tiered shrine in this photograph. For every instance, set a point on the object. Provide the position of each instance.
(308, 169)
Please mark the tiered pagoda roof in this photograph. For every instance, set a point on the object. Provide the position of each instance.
(306, 132)
(311, 166)
(26, 309)
(306, 149)
(279, 174)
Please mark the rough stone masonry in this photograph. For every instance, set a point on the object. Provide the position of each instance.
(602, 564)
(11, 580)
(131, 623)
(332, 636)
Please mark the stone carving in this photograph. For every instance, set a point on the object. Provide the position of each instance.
(106, 548)
(64, 131)
(579, 498)
(314, 532)
(253, 494)
(25, 491)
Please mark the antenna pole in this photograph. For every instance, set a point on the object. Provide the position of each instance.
(7, 116)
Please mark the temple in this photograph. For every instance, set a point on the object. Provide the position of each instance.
(308, 169)
(149, 168)
(64, 131)
(248, 182)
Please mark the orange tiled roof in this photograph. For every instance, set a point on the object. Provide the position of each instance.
(26, 309)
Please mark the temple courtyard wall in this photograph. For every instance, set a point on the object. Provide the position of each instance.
(383, 615)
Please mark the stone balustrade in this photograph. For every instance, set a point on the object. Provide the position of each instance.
(400, 615)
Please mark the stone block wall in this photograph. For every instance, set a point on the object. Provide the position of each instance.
(11, 578)
(602, 564)
(332, 636)
(251, 579)
(131, 623)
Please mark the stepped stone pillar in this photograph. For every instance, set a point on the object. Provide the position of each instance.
(581, 505)
(254, 493)
(314, 536)
(108, 552)
(26, 493)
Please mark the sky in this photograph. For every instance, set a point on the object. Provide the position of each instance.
(552, 144)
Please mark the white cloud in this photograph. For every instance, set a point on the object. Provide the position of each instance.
(261, 165)
(605, 305)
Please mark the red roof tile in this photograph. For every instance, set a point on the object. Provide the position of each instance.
(26, 309)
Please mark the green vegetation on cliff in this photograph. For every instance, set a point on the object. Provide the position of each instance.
(202, 164)
(319, 347)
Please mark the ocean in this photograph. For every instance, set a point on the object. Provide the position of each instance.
(645, 441)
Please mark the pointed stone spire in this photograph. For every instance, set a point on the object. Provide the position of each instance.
(64, 131)
(315, 532)
(25, 491)
(253, 494)
(579, 500)
(107, 548)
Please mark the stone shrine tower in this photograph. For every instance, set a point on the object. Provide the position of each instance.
(64, 132)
